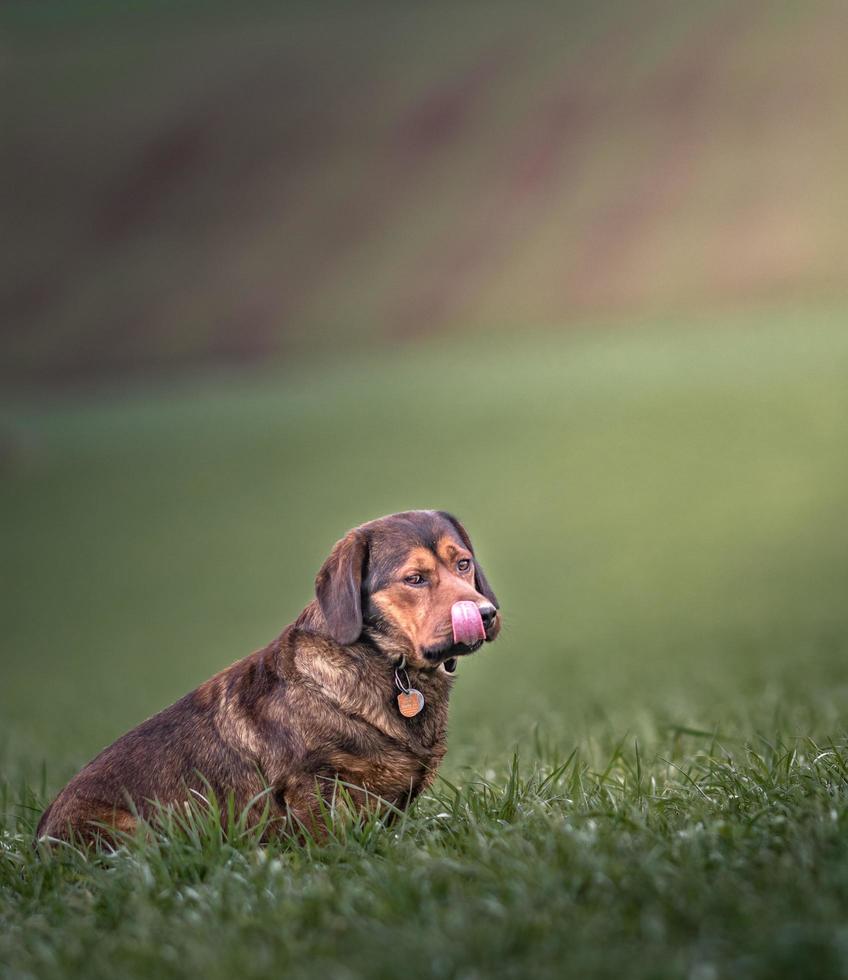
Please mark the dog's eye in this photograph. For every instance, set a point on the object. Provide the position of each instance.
(463, 564)
(415, 579)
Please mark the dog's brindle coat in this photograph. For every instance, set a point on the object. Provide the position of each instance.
(317, 704)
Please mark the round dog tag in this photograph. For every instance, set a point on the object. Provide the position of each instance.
(410, 702)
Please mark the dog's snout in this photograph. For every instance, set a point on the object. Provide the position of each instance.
(487, 613)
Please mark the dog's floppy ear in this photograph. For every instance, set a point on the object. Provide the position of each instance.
(338, 587)
(480, 581)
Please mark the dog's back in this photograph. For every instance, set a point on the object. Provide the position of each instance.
(191, 745)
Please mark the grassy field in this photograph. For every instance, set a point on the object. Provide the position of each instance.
(647, 773)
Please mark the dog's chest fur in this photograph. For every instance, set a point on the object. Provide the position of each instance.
(346, 705)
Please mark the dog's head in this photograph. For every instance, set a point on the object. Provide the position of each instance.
(398, 578)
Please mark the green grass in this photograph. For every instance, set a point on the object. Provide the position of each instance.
(661, 511)
(716, 860)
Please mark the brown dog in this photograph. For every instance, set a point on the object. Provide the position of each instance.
(321, 702)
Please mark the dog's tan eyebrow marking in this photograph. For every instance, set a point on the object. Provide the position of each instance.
(448, 550)
(419, 559)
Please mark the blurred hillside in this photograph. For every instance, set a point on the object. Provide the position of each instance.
(249, 182)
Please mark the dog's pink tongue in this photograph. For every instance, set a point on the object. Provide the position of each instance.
(467, 623)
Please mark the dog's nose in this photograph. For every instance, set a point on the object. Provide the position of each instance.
(487, 613)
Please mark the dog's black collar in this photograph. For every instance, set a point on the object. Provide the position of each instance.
(449, 665)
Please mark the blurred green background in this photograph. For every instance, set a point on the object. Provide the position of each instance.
(575, 272)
